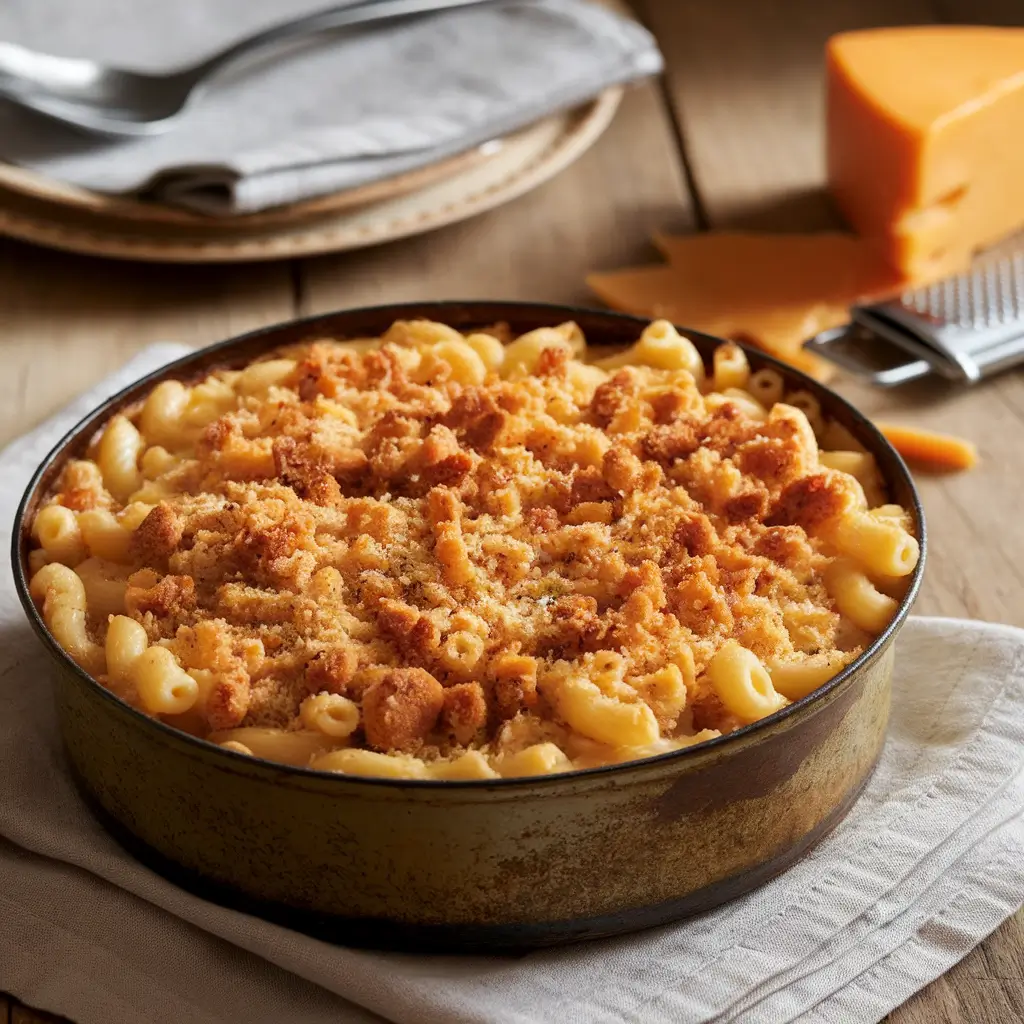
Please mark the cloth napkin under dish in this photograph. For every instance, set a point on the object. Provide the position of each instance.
(352, 108)
(930, 860)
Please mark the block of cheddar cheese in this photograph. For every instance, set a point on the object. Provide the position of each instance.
(771, 290)
(925, 130)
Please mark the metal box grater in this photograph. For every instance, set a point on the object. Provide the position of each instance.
(964, 328)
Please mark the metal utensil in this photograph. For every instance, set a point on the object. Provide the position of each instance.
(963, 328)
(114, 102)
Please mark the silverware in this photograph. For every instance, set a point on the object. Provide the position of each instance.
(963, 328)
(114, 102)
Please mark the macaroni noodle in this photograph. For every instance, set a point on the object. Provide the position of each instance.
(160, 418)
(294, 748)
(731, 369)
(796, 679)
(540, 759)
(57, 530)
(605, 719)
(879, 543)
(767, 386)
(858, 599)
(331, 714)
(743, 683)
(126, 640)
(61, 594)
(163, 686)
(369, 762)
(104, 536)
(118, 457)
(105, 586)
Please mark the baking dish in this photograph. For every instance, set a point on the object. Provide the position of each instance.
(511, 863)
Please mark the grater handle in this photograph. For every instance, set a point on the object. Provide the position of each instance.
(839, 346)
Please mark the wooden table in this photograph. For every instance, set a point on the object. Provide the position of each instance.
(732, 136)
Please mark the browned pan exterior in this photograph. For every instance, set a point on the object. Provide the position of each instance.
(512, 863)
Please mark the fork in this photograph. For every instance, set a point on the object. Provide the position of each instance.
(115, 102)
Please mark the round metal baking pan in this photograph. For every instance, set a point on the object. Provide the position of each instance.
(513, 863)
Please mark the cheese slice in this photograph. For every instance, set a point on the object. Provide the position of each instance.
(772, 291)
(925, 129)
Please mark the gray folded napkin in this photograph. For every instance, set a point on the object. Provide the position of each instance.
(348, 109)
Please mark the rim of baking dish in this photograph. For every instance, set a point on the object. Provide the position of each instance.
(178, 369)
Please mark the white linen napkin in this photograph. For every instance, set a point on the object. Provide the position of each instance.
(349, 109)
(928, 862)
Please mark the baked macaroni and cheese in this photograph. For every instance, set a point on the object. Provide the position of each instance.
(433, 555)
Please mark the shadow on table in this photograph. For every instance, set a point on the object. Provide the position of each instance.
(808, 209)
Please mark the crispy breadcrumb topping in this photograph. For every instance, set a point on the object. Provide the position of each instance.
(447, 534)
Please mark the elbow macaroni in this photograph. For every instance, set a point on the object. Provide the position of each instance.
(260, 377)
(858, 599)
(104, 536)
(522, 355)
(731, 369)
(164, 687)
(809, 406)
(605, 719)
(161, 418)
(105, 585)
(540, 759)
(126, 641)
(60, 592)
(58, 532)
(489, 349)
(370, 763)
(297, 748)
(878, 543)
(766, 386)
(796, 679)
(743, 683)
(467, 366)
(118, 457)
(661, 347)
(859, 465)
(330, 714)
(276, 559)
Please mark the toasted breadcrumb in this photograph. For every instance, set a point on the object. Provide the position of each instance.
(401, 709)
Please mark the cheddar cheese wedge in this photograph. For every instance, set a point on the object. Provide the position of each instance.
(925, 129)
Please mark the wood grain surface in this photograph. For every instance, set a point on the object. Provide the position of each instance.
(733, 136)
